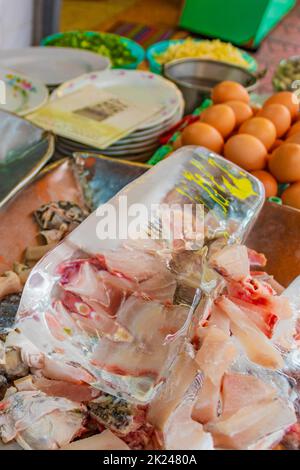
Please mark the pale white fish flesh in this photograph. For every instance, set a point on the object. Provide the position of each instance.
(104, 441)
(216, 354)
(22, 409)
(160, 287)
(207, 403)
(214, 358)
(219, 319)
(135, 266)
(257, 346)
(59, 388)
(149, 323)
(92, 285)
(181, 432)
(256, 259)
(61, 371)
(252, 423)
(240, 390)
(232, 262)
(172, 391)
(51, 432)
(83, 321)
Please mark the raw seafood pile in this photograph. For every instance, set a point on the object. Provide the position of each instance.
(232, 384)
(148, 341)
(54, 220)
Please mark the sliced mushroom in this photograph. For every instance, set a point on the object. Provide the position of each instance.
(23, 271)
(24, 384)
(54, 235)
(9, 284)
(3, 386)
(35, 253)
(14, 366)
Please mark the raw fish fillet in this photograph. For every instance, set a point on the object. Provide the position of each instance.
(207, 403)
(240, 390)
(21, 411)
(59, 388)
(181, 432)
(51, 432)
(171, 393)
(232, 262)
(135, 266)
(257, 346)
(215, 356)
(251, 423)
(104, 441)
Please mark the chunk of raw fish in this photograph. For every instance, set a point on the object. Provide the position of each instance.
(59, 388)
(251, 423)
(257, 346)
(214, 358)
(136, 266)
(232, 262)
(104, 441)
(216, 354)
(171, 393)
(181, 432)
(22, 410)
(51, 432)
(240, 390)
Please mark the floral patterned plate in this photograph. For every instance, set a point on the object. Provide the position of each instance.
(19, 94)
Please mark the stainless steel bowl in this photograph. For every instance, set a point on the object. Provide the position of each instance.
(196, 78)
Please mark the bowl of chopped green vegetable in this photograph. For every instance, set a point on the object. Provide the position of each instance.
(287, 74)
(122, 52)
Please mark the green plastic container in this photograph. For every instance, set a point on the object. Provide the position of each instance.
(243, 22)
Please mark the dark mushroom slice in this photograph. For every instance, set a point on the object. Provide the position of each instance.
(54, 214)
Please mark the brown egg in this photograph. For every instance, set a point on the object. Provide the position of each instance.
(295, 129)
(202, 134)
(291, 196)
(279, 115)
(288, 99)
(284, 163)
(221, 117)
(241, 110)
(276, 144)
(228, 91)
(269, 182)
(246, 151)
(261, 128)
(294, 139)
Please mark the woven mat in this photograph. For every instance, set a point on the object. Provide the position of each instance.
(146, 35)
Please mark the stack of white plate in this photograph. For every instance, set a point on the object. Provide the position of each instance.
(142, 88)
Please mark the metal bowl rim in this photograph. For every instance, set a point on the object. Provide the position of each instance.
(210, 61)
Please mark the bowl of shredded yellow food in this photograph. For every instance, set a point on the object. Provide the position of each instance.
(166, 51)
